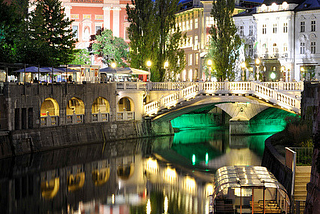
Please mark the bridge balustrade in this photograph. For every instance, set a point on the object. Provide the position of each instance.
(75, 119)
(261, 90)
(100, 117)
(287, 86)
(125, 115)
(131, 86)
(49, 121)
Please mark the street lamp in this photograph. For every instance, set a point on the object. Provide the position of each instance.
(272, 76)
(243, 67)
(149, 66)
(113, 65)
(257, 66)
(209, 63)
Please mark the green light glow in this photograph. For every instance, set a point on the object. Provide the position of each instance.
(195, 121)
(193, 159)
(207, 158)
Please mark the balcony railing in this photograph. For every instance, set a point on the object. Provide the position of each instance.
(125, 115)
(75, 119)
(49, 121)
(100, 117)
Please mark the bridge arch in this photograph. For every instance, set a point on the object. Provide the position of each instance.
(100, 110)
(75, 111)
(49, 112)
(125, 109)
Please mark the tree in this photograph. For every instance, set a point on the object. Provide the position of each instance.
(50, 38)
(143, 35)
(113, 49)
(82, 57)
(225, 42)
(10, 29)
(154, 37)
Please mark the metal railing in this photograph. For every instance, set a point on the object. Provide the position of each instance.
(303, 155)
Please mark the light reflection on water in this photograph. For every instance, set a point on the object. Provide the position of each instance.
(135, 176)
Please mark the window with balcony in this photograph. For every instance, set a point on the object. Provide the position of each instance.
(302, 26)
(196, 43)
(250, 47)
(275, 50)
(251, 30)
(190, 59)
(241, 31)
(313, 25)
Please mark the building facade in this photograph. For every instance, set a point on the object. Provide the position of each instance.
(285, 40)
(92, 16)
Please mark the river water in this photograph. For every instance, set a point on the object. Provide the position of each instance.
(161, 175)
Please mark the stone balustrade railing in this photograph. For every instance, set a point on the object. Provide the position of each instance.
(215, 88)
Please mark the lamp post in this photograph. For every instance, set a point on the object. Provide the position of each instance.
(166, 65)
(257, 62)
(243, 67)
(149, 66)
(209, 63)
(113, 65)
(272, 76)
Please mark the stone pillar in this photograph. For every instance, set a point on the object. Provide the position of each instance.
(106, 17)
(116, 21)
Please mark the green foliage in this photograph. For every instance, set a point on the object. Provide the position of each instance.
(113, 49)
(225, 42)
(154, 37)
(10, 32)
(82, 57)
(50, 38)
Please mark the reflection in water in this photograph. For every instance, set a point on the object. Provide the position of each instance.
(134, 176)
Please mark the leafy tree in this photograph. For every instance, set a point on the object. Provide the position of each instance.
(154, 37)
(175, 55)
(225, 42)
(143, 35)
(50, 39)
(10, 28)
(82, 57)
(113, 49)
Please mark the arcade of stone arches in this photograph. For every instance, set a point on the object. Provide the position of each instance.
(75, 111)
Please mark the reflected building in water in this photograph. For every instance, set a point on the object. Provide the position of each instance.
(121, 176)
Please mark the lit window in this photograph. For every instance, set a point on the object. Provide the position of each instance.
(302, 26)
(197, 58)
(241, 31)
(285, 27)
(313, 47)
(313, 26)
(302, 48)
(275, 48)
(275, 28)
(250, 50)
(98, 30)
(285, 47)
(196, 42)
(190, 59)
(191, 24)
(264, 29)
(196, 23)
(75, 29)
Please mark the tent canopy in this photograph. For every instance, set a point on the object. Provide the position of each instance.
(32, 69)
(132, 71)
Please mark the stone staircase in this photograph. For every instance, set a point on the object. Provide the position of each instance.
(302, 177)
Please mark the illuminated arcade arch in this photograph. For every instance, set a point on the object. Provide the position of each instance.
(125, 109)
(49, 189)
(76, 181)
(100, 176)
(100, 110)
(125, 172)
(49, 112)
(75, 111)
